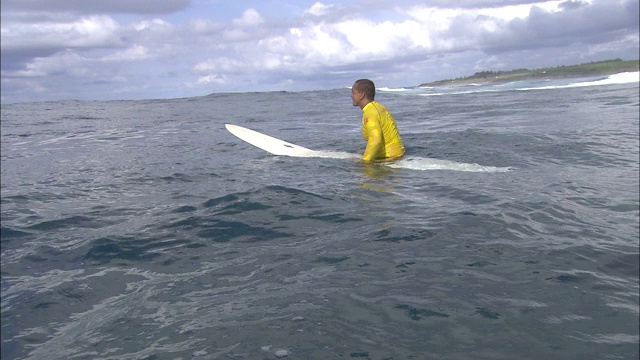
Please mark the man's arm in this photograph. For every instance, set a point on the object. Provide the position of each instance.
(374, 142)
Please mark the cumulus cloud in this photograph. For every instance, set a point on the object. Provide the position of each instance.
(49, 43)
(249, 18)
(318, 9)
(68, 63)
(86, 32)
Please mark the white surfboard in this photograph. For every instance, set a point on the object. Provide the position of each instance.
(281, 147)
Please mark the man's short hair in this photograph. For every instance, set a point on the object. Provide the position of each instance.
(367, 87)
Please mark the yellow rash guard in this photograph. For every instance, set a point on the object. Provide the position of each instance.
(380, 131)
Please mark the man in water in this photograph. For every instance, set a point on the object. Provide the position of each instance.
(378, 126)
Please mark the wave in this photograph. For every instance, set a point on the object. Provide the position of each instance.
(462, 92)
(386, 89)
(622, 78)
(525, 85)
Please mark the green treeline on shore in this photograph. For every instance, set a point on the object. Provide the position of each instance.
(607, 67)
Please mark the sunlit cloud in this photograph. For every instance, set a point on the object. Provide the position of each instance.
(264, 45)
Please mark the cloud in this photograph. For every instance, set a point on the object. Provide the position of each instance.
(249, 18)
(318, 9)
(98, 7)
(86, 32)
(429, 30)
(211, 79)
(135, 52)
(221, 64)
(65, 63)
(598, 22)
(161, 47)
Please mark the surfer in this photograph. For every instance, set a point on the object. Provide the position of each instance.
(379, 128)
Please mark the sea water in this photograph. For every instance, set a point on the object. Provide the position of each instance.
(144, 230)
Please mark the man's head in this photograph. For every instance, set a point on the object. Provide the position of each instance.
(363, 92)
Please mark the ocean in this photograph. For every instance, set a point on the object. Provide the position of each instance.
(145, 230)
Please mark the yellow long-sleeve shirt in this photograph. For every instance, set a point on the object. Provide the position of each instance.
(380, 131)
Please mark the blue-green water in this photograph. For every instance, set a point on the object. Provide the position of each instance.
(144, 230)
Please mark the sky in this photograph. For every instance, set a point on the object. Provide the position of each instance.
(150, 49)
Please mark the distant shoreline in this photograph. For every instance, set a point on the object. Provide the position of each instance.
(608, 67)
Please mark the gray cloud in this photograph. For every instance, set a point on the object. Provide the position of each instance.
(98, 7)
(85, 53)
(578, 23)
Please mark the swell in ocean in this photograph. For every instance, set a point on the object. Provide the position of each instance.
(145, 230)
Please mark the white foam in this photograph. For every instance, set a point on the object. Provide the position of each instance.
(331, 154)
(392, 89)
(418, 163)
(483, 90)
(622, 78)
(415, 163)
